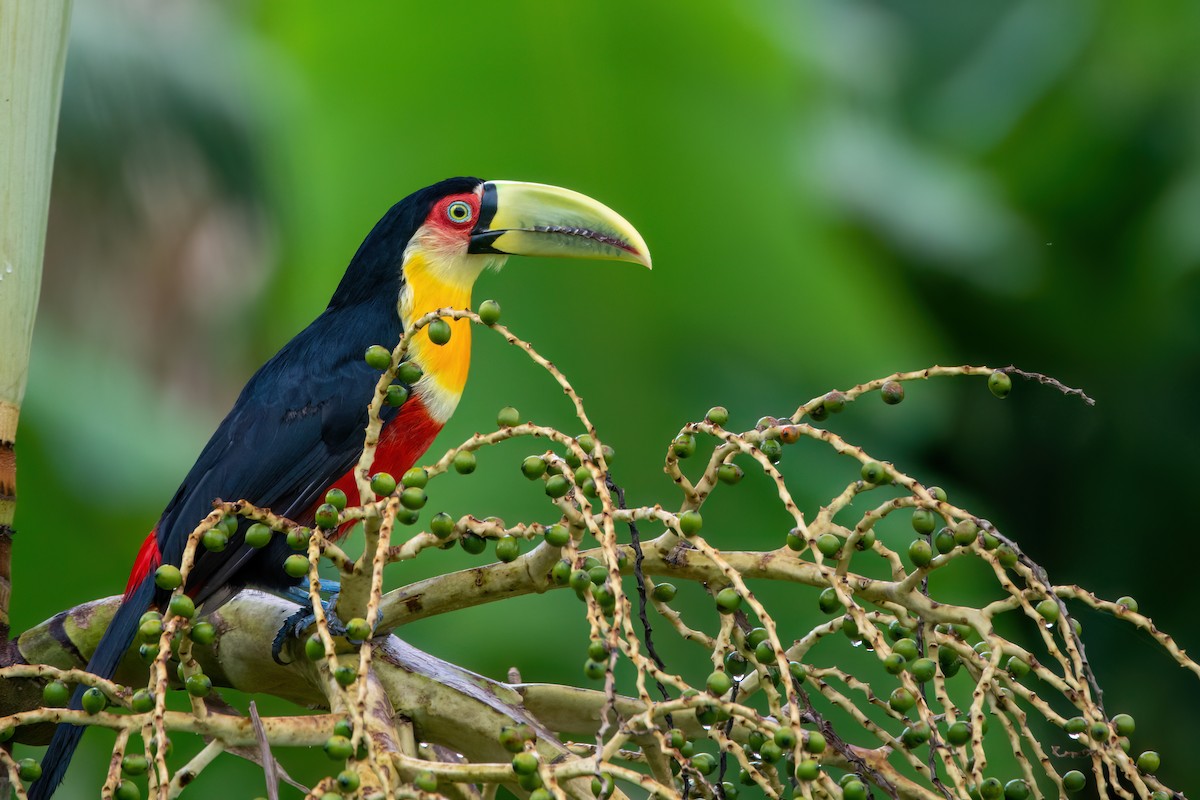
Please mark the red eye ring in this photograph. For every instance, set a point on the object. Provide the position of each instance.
(459, 212)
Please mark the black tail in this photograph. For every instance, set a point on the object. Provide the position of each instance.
(112, 648)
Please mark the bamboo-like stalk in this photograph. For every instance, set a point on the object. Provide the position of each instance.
(33, 49)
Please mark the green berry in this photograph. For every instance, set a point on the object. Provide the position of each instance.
(902, 700)
(508, 417)
(314, 648)
(664, 592)
(347, 781)
(785, 738)
(1048, 608)
(127, 790)
(1124, 724)
(327, 516)
(1075, 726)
(906, 647)
(893, 663)
(728, 600)
(1017, 667)
(920, 553)
(558, 535)
(814, 742)
(557, 486)
(489, 312)
(705, 763)
(416, 477)
(958, 734)
(892, 392)
(1074, 781)
(472, 543)
(214, 540)
(142, 701)
(560, 573)
(1016, 789)
(923, 669)
(296, 565)
(916, 735)
(55, 694)
(426, 781)
(28, 769)
(772, 449)
(409, 372)
(718, 683)
(464, 462)
(525, 763)
(828, 601)
(1098, 731)
(397, 395)
(1000, 384)
(413, 498)
(594, 670)
(874, 473)
(383, 484)
(770, 752)
(764, 653)
(944, 541)
(808, 770)
(1149, 762)
(854, 790)
(168, 577)
(924, 521)
(834, 402)
(297, 538)
(94, 700)
(338, 748)
(198, 685)
(378, 357)
(258, 535)
(795, 540)
(182, 606)
(439, 331)
(508, 548)
(442, 525)
(1129, 603)
(991, 789)
(718, 415)
(533, 467)
(203, 633)
(829, 544)
(690, 523)
(736, 664)
(756, 636)
(965, 532)
(345, 674)
(358, 629)
(684, 445)
(730, 474)
(134, 765)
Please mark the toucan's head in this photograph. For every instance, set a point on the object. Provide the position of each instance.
(461, 226)
(432, 245)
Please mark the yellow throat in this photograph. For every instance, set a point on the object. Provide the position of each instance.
(430, 285)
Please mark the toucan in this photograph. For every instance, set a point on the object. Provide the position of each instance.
(297, 429)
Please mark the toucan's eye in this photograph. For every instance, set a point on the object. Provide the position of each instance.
(459, 212)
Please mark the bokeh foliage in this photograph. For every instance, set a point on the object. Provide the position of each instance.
(831, 191)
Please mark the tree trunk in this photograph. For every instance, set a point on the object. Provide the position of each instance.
(33, 49)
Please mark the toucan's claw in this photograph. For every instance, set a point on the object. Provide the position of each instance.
(298, 623)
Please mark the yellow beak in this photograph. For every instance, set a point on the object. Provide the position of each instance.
(533, 219)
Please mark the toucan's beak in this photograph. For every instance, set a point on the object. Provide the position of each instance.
(533, 219)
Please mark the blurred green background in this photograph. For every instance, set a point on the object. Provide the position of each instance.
(832, 191)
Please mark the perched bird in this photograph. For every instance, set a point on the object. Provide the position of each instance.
(297, 428)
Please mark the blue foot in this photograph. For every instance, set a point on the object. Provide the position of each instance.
(299, 622)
